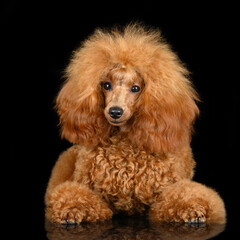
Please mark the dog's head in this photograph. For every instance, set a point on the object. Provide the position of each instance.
(131, 80)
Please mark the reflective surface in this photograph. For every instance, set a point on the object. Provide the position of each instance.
(132, 228)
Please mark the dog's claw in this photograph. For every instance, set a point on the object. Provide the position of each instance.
(66, 221)
(196, 220)
(202, 219)
(63, 221)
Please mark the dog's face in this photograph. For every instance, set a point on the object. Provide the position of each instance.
(121, 88)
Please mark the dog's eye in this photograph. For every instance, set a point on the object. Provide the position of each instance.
(107, 85)
(135, 89)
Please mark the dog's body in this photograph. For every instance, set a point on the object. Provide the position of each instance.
(129, 107)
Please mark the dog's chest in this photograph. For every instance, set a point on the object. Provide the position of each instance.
(122, 174)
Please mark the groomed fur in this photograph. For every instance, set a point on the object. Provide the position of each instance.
(166, 108)
(146, 162)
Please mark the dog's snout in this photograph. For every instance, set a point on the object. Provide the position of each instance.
(115, 112)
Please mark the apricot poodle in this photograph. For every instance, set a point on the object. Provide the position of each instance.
(128, 106)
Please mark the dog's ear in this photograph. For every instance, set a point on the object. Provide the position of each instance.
(80, 102)
(81, 114)
(165, 111)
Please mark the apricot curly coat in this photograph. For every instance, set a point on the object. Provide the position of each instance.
(141, 163)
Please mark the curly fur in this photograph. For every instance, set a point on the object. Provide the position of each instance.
(147, 163)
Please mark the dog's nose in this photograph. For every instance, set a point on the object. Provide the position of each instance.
(115, 112)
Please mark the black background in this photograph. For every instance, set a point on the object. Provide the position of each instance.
(37, 41)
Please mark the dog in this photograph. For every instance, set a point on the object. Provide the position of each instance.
(128, 107)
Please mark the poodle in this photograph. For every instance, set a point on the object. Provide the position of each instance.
(128, 107)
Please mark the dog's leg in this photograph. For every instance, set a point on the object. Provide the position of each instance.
(72, 203)
(188, 201)
(68, 201)
(63, 169)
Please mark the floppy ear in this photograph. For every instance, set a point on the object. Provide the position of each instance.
(81, 114)
(166, 111)
(80, 102)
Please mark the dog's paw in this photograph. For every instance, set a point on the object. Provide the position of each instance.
(65, 215)
(194, 217)
(71, 203)
(193, 214)
(70, 217)
(75, 213)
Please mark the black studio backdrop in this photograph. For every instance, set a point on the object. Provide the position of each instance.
(38, 39)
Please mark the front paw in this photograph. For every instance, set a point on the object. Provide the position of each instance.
(69, 216)
(77, 214)
(187, 201)
(71, 203)
(193, 214)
